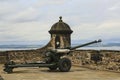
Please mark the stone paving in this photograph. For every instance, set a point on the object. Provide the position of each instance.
(76, 73)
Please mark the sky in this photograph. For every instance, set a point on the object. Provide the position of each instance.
(30, 20)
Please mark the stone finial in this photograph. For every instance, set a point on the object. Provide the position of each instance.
(60, 19)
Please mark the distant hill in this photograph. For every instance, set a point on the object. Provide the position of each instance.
(99, 44)
(31, 44)
(111, 44)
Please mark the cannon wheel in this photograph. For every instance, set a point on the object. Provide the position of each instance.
(7, 68)
(64, 64)
(53, 67)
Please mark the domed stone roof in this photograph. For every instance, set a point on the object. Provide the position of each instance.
(60, 27)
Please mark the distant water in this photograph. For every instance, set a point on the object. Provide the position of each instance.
(101, 48)
(18, 47)
(29, 47)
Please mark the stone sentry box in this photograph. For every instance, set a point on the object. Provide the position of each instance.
(60, 38)
(61, 34)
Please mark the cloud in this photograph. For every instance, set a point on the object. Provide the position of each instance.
(115, 6)
(109, 30)
(27, 15)
(48, 3)
(23, 20)
(32, 31)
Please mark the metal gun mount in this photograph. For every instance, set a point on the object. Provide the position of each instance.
(53, 60)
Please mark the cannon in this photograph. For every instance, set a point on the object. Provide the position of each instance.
(54, 58)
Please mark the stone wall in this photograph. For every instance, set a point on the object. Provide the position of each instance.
(22, 56)
(2, 57)
(110, 60)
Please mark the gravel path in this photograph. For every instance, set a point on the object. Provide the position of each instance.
(76, 73)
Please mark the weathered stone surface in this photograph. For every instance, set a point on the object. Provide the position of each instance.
(110, 59)
(22, 56)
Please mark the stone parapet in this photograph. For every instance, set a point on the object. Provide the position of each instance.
(110, 59)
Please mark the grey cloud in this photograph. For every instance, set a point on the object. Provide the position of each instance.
(88, 18)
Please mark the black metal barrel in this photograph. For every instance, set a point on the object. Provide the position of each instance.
(82, 45)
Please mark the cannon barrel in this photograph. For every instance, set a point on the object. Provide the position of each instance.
(82, 45)
(67, 50)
